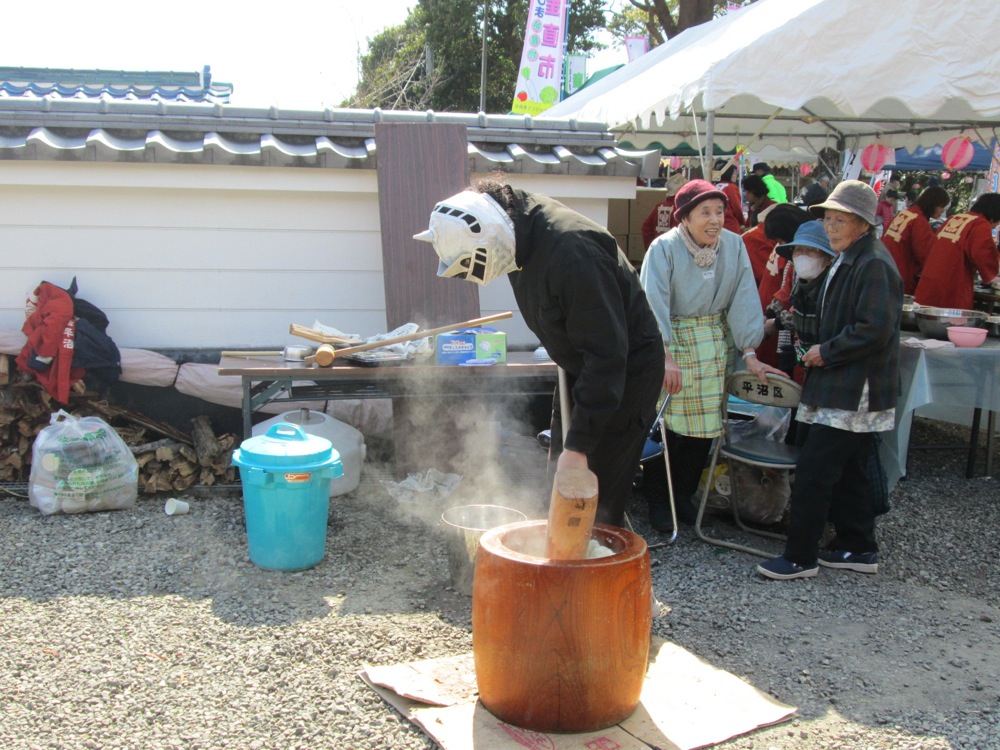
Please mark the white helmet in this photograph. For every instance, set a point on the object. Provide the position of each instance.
(473, 237)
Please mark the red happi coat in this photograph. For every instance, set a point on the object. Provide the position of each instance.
(964, 245)
(909, 240)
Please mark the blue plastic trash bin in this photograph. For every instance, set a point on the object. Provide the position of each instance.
(286, 477)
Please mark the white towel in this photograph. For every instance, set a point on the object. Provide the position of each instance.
(927, 343)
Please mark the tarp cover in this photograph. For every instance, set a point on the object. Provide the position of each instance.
(913, 72)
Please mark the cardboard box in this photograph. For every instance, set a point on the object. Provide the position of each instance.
(618, 213)
(646, 199)
(636, 248)
(460, 346)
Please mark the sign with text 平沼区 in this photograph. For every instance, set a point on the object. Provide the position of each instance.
(539, 78)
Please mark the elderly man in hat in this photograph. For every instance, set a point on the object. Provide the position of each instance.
(849, 394)
(817, 191)
(700, 285)
(581, 297)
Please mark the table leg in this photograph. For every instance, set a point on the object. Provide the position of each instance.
(991, 425)
(970, 466)
(247, 410)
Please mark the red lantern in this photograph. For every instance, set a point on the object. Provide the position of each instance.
(805, 169)
(957, 153)
(874, 156)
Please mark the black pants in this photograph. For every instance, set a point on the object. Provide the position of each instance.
(688, 458)
(615, 460)
(831, 483)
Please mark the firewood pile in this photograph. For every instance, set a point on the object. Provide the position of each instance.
(169, 459)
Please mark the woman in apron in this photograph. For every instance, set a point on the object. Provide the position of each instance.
(699, 282)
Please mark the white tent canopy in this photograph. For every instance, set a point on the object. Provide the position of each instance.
(829, 72)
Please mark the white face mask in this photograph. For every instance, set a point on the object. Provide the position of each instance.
(808, 267)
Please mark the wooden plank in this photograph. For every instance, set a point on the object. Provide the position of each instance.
(418, 165)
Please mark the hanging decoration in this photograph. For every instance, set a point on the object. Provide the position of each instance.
(676, 162)
(874, 156)
(805, 169)
(957, 153)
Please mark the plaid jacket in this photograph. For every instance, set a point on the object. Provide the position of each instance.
(859, 331)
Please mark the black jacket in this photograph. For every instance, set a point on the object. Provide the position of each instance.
(579, 294)
(859, 331)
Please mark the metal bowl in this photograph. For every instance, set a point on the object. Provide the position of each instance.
(993, 326)
(935, 321)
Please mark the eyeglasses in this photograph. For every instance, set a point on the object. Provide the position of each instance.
(830, 223)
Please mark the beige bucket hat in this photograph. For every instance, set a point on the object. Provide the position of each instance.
(854, 197)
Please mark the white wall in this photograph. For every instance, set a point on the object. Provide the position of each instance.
(185, 256)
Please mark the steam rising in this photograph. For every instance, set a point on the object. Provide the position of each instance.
(488, 441)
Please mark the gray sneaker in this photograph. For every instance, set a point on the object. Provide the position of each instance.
(859, 562)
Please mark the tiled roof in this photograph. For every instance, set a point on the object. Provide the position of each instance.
(68, 83)
(54, 129)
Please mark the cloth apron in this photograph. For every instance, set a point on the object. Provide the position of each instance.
(700, 347)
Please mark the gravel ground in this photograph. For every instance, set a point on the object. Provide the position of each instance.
(132, 629)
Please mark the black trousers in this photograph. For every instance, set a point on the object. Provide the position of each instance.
(831, 483)
(688, 458)
(615, 460)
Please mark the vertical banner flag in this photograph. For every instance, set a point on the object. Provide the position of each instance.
(636, 46)
(539, 76)
(575, 75)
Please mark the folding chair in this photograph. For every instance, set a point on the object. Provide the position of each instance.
(760, 452)
(652, 450)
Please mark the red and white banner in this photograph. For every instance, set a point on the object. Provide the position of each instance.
(539, 79)
(636, 46)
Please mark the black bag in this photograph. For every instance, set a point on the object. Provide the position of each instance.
(93, 350)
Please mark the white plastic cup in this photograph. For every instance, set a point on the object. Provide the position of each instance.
(175, 507)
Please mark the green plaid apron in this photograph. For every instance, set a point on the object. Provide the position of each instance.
(700, 347)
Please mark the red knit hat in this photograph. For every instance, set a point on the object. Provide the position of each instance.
(692, 194)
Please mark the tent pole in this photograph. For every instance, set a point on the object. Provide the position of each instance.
(697, 138)
(709, 159)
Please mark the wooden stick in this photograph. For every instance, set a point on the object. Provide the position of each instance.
(325, 355)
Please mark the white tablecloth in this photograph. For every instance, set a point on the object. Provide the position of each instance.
(959, 379)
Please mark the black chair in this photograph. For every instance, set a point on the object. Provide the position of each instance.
(760, 452)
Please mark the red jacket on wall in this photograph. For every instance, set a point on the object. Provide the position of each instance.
(51, 332)
(964, 245)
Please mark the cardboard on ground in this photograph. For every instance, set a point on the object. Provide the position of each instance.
(686, 703)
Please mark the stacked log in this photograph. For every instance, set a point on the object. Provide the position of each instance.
(169, 460)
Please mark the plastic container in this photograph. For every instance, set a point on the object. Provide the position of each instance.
(347, 441)
(560, 645)
(286, 477)
(967, 337)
